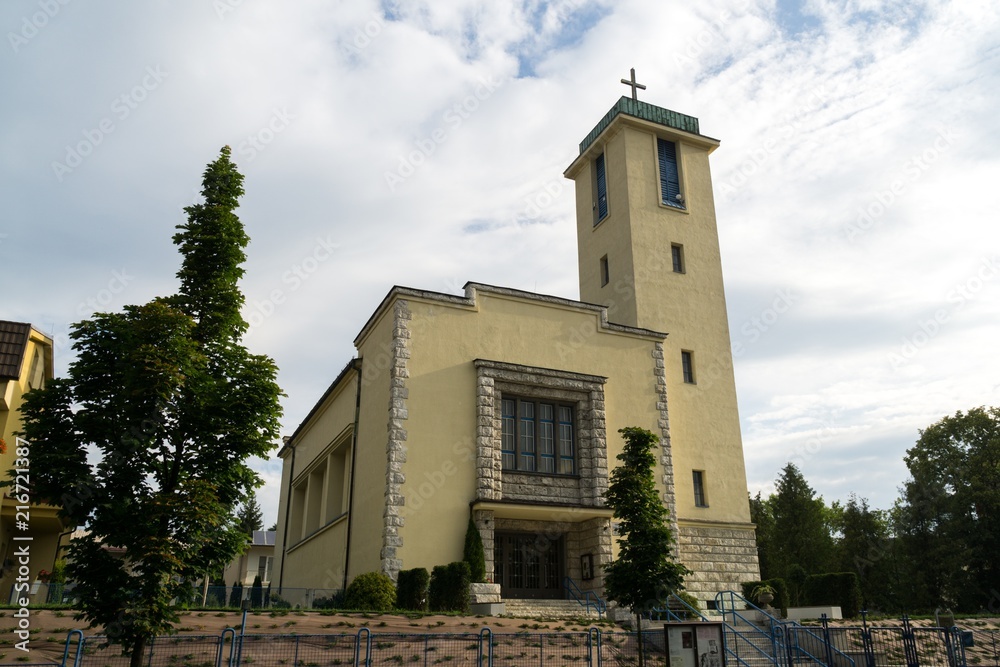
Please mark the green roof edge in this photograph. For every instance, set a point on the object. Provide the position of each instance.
(645, 111)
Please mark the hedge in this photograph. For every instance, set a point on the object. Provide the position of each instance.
(411, 589)
(449, 590)
(834, 589)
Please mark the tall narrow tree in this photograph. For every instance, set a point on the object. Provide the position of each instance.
(250, 516)
(798, 511)
(645, 572)
(172, 405)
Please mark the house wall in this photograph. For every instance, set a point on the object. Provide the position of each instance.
(378, 364)
(311, 544)
(691, 308)
(440, 468)
(44, 525)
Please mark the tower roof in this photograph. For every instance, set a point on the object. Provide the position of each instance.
(13, 341)
(645, 111)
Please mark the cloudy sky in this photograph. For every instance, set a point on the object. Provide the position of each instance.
(423, 144)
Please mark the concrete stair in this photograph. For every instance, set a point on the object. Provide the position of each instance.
(546, 609)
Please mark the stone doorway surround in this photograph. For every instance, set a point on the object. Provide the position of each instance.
(585, 532)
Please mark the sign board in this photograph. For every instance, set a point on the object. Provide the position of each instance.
(694, 644)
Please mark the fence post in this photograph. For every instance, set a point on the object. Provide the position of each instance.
(152, 641)
(368, 647)
(826, 639)
(594, 633)
(486, 634)
(910, 644)
(222, 646)
(866, 640)
(79, 647)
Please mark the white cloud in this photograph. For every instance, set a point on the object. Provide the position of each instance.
(818, 120)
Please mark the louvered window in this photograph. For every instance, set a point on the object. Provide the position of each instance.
(602, 189)
(670, 186)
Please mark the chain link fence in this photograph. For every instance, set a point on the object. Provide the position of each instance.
(848, 647)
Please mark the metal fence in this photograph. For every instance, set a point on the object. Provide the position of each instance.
(233, 597)
(904, 646)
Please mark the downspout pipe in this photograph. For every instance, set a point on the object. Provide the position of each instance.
(288, 507)
(354, 460)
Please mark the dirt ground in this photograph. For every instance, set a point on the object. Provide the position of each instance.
(49, 628)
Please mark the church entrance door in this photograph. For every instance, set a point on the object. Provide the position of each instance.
(529, 565)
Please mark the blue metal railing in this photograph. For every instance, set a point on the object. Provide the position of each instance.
(587, 599)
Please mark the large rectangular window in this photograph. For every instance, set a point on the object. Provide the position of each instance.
(537, 436)
(670, 184)
(698, 479)
(602, 189)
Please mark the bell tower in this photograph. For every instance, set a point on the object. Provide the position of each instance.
(648, 249)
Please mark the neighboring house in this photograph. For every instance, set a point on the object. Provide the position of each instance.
(258, 560)
(25, 364)
(505, 405)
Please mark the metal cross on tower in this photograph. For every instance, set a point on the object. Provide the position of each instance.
(633, 84)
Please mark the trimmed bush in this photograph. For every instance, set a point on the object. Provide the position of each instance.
(278, 602)
(371, 591)
(834, 589)
(256, 593)
(411, 589)
(236, 596)
(474, 554)
(335, 601)
(449, 590)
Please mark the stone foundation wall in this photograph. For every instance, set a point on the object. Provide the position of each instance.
(720, 557)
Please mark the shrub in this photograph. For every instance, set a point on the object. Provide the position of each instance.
(278, 602)
(371, 591)
(217, 593)
(411, 589)
(834, 589)
(449, 590)
(236, 596)
(256, 593)
(474, 554)
(335, 601)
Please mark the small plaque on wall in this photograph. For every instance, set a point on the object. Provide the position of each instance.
(587, 567)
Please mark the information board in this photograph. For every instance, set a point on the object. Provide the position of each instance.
(694, 644)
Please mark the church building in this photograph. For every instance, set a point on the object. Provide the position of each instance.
(504, 405)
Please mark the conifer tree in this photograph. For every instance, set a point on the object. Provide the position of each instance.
(645, 572)
(172, 404)
(474, 554)
(250, 516)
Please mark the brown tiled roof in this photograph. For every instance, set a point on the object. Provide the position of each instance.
(13, 342)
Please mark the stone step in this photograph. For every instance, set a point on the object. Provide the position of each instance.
(522, 608)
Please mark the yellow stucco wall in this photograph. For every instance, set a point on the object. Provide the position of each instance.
(690, 307)
(44, 525)
(440, 468)
(314, 559)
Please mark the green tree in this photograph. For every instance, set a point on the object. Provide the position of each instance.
(250, 516)
(946, 519)
(170, 404)
(864, 546)
(801, 528)
(645, 572)
(474, 554)
(256, 593)
(762, 516)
